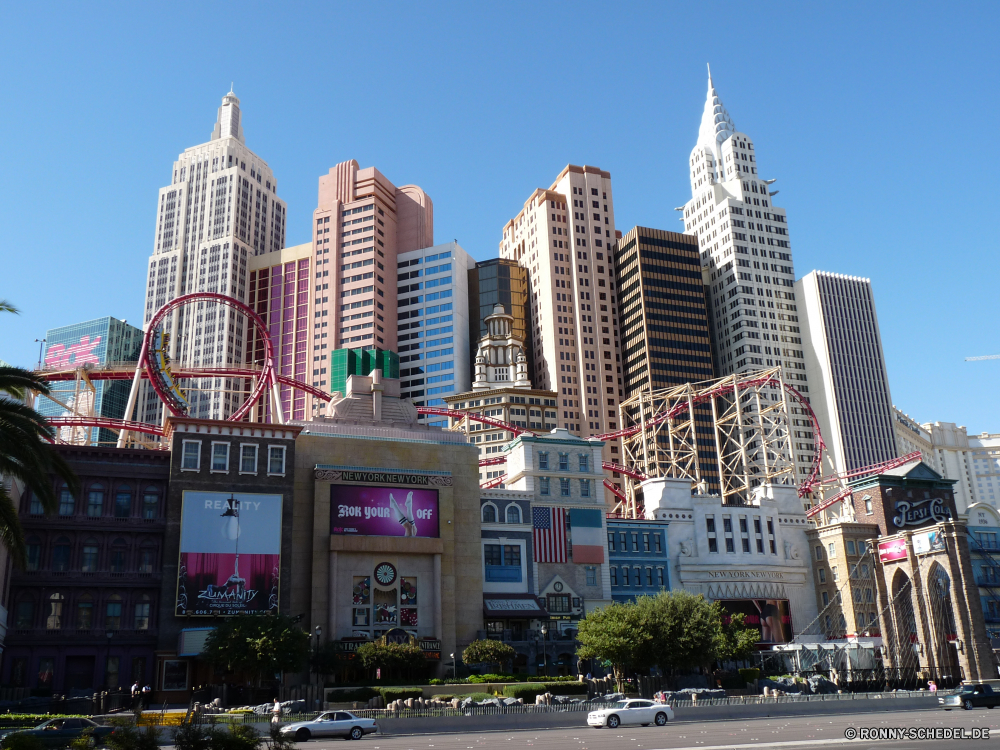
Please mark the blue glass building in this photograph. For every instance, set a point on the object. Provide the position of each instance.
(95, 342)
(637, 554)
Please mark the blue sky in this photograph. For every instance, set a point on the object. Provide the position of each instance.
(874, 118)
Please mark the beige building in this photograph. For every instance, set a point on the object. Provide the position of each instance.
(844, 577)
(564, 237)
(386, 526)
(361, 222)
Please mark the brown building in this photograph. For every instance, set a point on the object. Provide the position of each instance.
(844, 577)
(386, 535)
(228, 538)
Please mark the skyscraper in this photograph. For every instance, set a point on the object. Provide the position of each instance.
(846, 366)
(574, 311)
(499, 282)
(220, 208)
(361, 222)
(746, 258)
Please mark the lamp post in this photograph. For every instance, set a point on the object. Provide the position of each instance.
(41, 343)
(318, 632)
(545, 663)
(454, 666)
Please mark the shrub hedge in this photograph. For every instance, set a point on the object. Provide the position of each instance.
(390, 694)
(355, 694)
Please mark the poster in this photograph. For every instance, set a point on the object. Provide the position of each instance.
(894, 549)
(383, 511)
(770, 616)
(230, 553)
(928, 541)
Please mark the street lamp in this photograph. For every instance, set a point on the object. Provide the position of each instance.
(41, 343)
(454, 669)
(545, 663)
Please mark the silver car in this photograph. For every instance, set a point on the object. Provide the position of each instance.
(331, 724)
(634, 711)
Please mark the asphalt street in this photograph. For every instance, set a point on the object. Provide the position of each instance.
(791, 733)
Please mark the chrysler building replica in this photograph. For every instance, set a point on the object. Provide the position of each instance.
(220, 208)
(746, 263)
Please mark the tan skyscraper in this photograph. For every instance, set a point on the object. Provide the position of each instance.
(564, 237)
(362, 221)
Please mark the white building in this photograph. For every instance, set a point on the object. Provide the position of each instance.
(972, 460)
(845, 365)
(433, 330)
(746, 259)
(756, 553)
(220, 208)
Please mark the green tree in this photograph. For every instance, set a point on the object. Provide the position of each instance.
(257, 645)
(489, 652)
(737, 641)
(686, 629)
(394, 659)
(25, 453)
(614, 634)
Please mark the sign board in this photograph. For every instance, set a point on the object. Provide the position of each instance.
(894, 549)
(927, 542)
(922, 511)
(365, 510)
(771, 617)
(230, 553)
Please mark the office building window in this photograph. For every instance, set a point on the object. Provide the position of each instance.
(191, 455)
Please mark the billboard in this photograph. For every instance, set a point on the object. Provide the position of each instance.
(771, 617)
(230, 553)
(894, 549)
(383, 511)
(928, 541)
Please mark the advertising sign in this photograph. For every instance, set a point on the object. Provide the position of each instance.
(928, 541)
(383, 511)
(230, 553)
(894, 549)
(770, 616)
(922, 511)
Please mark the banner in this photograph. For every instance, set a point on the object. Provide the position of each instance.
(230, 553)
(770, 616)
(383, 511)
(894, 549)
(928, 541)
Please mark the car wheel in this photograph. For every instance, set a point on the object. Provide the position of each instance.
(613, 722)
(967, 705)
(356, 733)
(661, 719)
(302, 735)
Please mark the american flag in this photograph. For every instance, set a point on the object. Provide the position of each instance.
(548, 527)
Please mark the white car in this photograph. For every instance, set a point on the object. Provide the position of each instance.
(634, 711)
(331, 724)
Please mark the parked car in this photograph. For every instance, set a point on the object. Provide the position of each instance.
(60, 732)
(633, 711)
(969, 696)
(331, 724)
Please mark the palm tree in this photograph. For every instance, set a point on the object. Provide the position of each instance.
(25, 453)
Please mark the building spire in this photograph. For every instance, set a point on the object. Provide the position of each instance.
(716, 124)
(227, 122)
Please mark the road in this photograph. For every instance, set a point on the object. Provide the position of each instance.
(786, 733)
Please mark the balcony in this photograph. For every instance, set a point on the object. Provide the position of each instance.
(990, 582)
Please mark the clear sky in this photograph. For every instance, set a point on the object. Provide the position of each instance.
(875, 118)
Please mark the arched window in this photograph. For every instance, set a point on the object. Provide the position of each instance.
(123, 502)
(34, 552)
(489, 513)
(88, 563)
(151, 503)
(24, 615)
(60, 555)
(113, 613)
(513, 514)
(67, 503)
(85, 612)
(53, 620)
(118, 551)
(35, 505)
(142, 608)
(147, 559)
(95, 500)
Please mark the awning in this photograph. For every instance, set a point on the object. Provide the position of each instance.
(512, 605)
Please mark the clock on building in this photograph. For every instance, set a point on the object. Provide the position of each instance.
(385, 573)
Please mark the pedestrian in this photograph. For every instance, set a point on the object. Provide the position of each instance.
(136, 696)
(147, 695)
(276, 712)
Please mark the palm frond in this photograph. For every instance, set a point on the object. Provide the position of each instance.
(6, 306)
(11, 533)
(15, 381)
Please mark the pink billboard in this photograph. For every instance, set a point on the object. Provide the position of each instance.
(383, 511)
(894, 549)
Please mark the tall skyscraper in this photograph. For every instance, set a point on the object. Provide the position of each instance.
(665, 338)
(220, 209)
(281, 293)
(361, 223)
(94, 342)
(845, 365)
(574, 310)
(433, 330)
(499, 282)
(746, 258)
